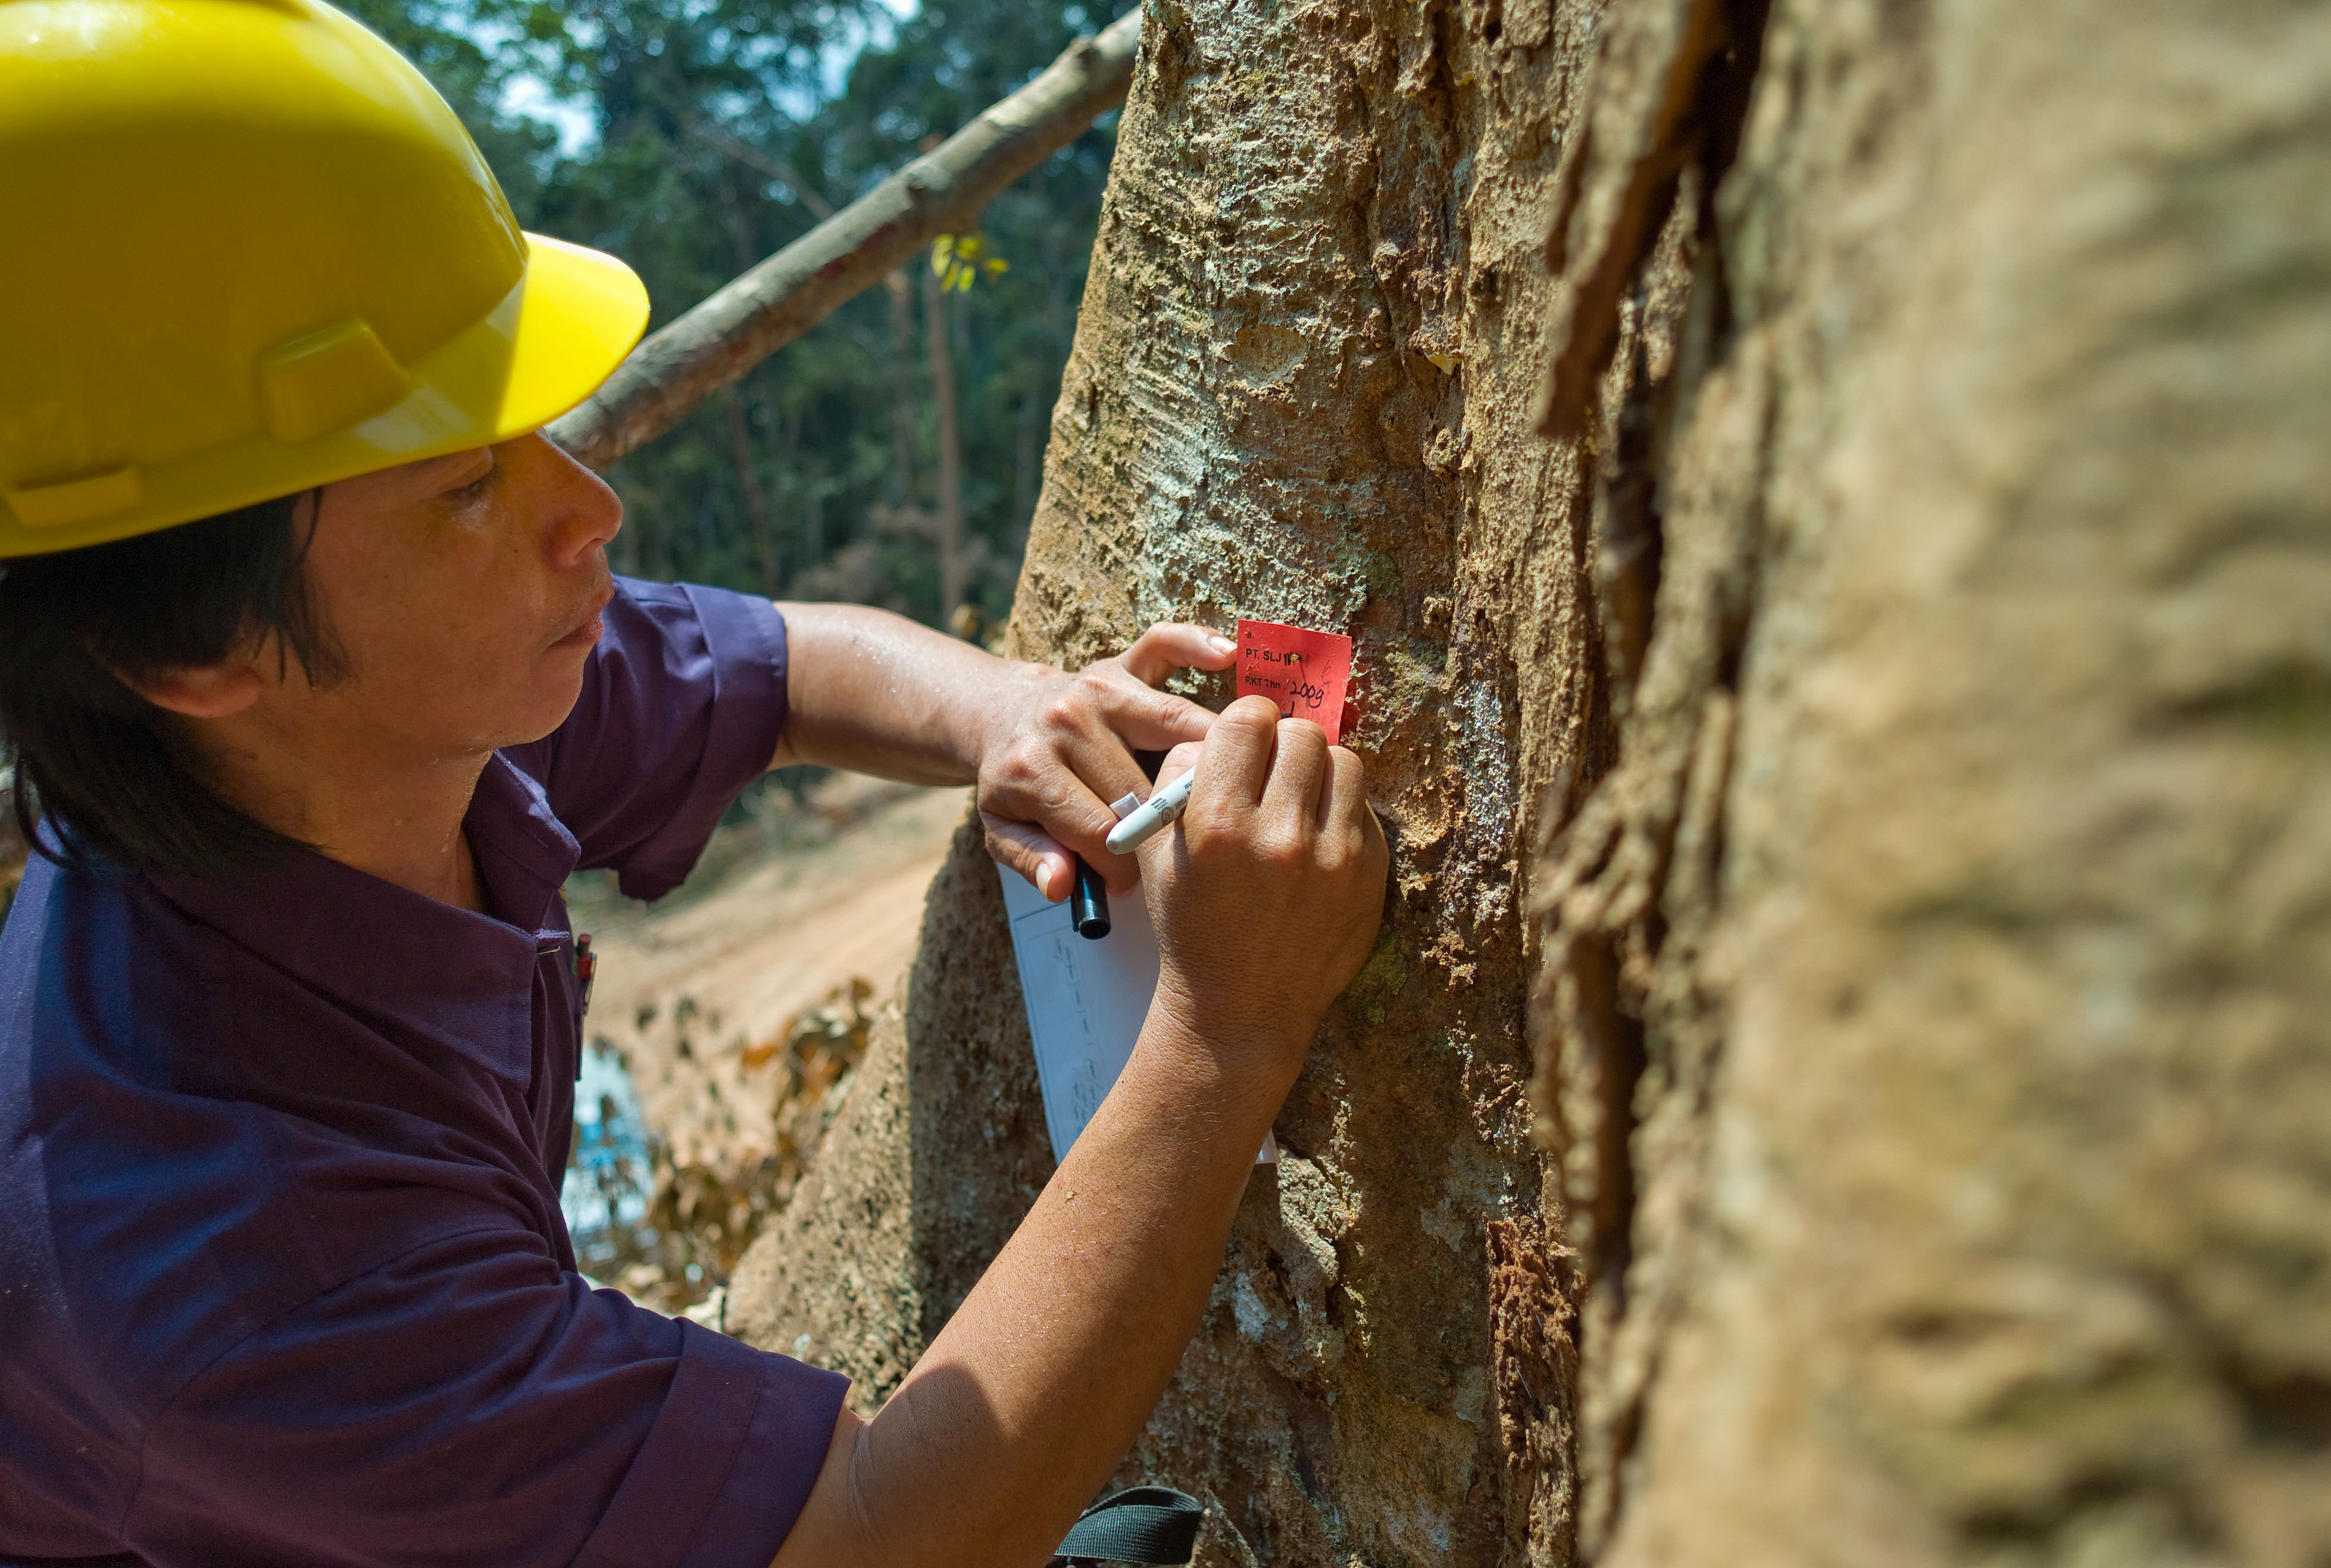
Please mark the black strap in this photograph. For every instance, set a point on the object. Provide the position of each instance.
(1155, 1525)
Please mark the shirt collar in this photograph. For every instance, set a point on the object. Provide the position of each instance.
(397, 955)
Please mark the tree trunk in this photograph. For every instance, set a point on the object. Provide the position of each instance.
(1912, 652)
(1962, 881)
(946, 513)
(902, 488)
(748, 480)
(1292, 397)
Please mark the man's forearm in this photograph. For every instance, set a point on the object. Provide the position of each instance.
(1023, 1406)
(1026, 1400)
(874, 693)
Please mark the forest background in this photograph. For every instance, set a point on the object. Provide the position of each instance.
(692, 138)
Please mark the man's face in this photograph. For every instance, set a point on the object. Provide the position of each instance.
(466, 591)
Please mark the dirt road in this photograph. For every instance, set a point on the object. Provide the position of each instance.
(694, 992)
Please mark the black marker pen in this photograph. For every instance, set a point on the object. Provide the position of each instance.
(1088, 901)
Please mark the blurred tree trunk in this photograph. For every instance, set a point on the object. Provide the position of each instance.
(748, 480)
(1938, 999)
(758, 523)
(901, 486)
(947, 501)
(1886, 730)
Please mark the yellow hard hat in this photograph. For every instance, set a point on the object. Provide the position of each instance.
(246, 249)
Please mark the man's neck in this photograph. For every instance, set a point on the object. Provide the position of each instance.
(396, 818)
(422, 850)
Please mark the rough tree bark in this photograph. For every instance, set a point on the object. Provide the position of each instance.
(1936, 1019)
(1912, 650)
(1301, 389)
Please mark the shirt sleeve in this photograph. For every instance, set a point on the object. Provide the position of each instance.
(683, 705)
(469, 1403)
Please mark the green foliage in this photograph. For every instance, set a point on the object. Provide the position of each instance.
(720, 131)
(957, 260)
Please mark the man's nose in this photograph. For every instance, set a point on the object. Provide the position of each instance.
(586, 514)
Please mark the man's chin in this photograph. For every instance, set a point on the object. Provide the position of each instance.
(559, 689)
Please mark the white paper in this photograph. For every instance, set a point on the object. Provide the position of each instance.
(1085, 1000)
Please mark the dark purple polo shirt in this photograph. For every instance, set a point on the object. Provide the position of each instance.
(283, 1277)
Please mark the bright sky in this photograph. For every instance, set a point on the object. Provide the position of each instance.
(531, 96)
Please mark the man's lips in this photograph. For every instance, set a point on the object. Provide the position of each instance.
(593, 625)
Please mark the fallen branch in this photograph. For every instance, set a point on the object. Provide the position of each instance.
(753, 316)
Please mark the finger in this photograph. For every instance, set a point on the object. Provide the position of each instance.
(1087, 725)
(1345, 812)
(1291, 796)
(1172, 645)
(1141, 715)
(1121, 874)
(1182, 759)
(1030, 851)
(1092, 765)
(1342, 791)
(1178, 761)
(1238, 756)
(1050, 794)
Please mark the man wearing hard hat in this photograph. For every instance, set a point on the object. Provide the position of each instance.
(311, 661)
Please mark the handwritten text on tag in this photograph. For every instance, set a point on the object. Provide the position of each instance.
(1303, 673)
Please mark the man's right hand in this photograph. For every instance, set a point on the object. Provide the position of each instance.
(1266, 896)
(1268, 893)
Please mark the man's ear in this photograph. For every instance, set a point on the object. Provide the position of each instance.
(197, 691)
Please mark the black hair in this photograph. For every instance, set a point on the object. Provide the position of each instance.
(118, 774)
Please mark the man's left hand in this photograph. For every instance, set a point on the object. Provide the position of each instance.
(1060, 747)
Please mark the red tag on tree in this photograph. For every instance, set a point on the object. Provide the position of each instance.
(1303, 673)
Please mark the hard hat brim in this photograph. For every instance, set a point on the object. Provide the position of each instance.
(572, 318)
(580, 312)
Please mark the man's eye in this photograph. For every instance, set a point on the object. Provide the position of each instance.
(478, 486)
